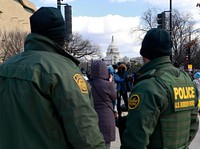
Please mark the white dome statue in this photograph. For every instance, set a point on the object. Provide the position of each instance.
(112, 47)
(112, 54)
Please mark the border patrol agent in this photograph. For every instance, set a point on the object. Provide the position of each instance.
(45, 102)
(163, 103)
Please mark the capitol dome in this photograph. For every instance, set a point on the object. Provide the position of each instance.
(112, 47)
(112, 54)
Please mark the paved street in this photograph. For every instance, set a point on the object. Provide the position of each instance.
(194, 145)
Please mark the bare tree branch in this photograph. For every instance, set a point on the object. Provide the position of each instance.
(11, 43)
(183, 34)
(78, 47)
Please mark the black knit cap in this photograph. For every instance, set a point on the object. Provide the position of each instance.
(49, 22)
(156, 43)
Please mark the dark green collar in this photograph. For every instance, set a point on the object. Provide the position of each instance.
(156, 63)
(38, 42)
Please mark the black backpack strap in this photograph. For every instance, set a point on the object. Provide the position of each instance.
(153, 73)
(156, 73)
(143, 77)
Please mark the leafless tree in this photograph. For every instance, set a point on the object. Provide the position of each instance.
(148, 21)
(11, 43)
(185, 38)
(183, 34)
(79, 47)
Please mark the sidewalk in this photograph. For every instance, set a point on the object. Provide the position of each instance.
(116, 143)
(194, 145)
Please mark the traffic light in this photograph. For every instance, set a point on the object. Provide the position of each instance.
(161, 20)
(187, 54)
(68, 21)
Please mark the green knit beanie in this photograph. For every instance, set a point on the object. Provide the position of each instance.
(156, 43)
(49, 22)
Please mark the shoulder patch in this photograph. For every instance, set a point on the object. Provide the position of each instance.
(133, 101)
(81, 83)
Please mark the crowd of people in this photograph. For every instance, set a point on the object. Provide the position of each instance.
(196, 81)
(47, 103)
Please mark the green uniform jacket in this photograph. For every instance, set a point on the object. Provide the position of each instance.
(152, 120)
(44, 101)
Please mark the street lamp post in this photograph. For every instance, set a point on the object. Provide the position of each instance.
(59, 4)
(170, 30)
(170, 17)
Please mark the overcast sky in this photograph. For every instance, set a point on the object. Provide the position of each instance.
(99, 20)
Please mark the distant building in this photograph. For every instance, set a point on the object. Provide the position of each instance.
(14, 14)
(137, 59)
(112, 54)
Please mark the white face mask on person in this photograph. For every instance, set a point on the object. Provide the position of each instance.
(116, 71)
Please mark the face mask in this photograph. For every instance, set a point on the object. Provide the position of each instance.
(116, 71)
